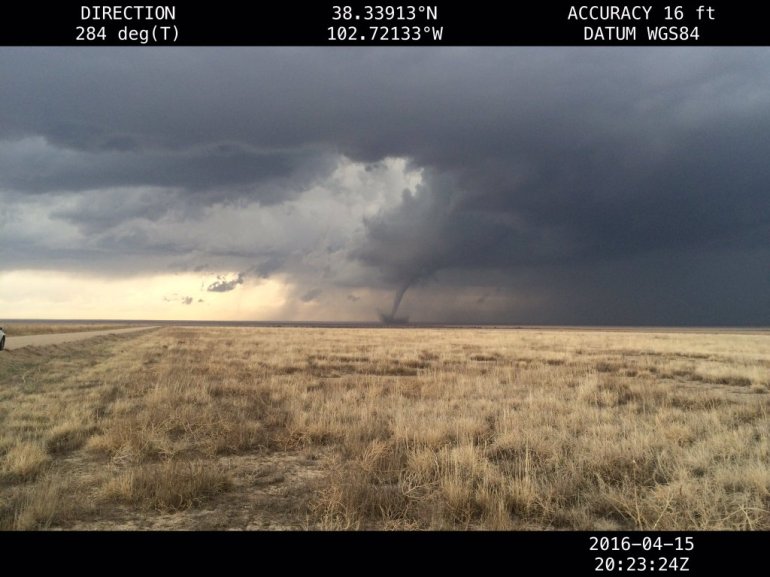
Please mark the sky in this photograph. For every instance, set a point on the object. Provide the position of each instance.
(525, 185)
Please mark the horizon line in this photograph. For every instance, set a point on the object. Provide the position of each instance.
(378, 323)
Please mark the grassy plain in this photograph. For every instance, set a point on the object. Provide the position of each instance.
(398, 428)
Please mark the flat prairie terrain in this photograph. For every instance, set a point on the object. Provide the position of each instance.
(46, 339)
(390, 428)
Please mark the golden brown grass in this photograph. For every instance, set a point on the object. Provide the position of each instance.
(20, 329)
(388, 429)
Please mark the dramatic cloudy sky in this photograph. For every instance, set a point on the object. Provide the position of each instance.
(521, 185)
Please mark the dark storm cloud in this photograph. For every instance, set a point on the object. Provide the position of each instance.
(542, 167)
(44, 168)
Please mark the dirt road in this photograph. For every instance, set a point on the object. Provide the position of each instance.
(55, 339)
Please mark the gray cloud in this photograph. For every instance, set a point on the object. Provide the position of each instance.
(222, 286)
(185, 300)
(595, 185)
(221, 170)
(311, 295)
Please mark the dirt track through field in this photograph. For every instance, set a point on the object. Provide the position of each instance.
(12, 343)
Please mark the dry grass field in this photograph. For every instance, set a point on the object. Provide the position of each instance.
(312, 428)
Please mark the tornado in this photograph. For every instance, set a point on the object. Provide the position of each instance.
(392, 319)
(397, 299)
